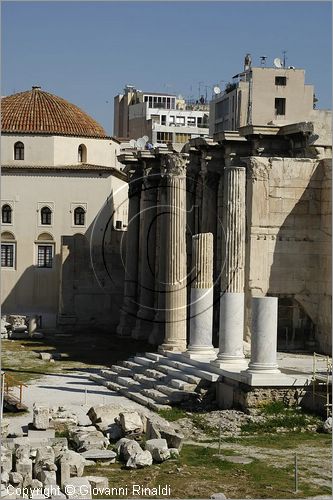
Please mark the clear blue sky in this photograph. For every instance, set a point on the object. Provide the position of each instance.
(87, 51)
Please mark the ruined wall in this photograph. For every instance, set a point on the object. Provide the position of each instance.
(288, 221)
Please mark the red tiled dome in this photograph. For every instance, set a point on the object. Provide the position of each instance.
(38, 112)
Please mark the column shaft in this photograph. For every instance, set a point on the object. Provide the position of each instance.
(232, 277)
(176, 279)
(146, 283)
(201, 320)
(264, 335)
(129, 309)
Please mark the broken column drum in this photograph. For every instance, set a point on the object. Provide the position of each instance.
(175, 272)
(129, 309)
(232, 275)
(264, 335)
(201, 319)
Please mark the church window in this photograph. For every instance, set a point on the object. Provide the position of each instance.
(82, 153)
(79, 216)
(6, 214)
(44, 255)
(46, 216)
(8, 250)
(18, 151)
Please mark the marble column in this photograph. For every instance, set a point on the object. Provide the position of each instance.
(129, 309)
(264, 335)
(176, 279)
(157, 334)
(201, 309)
(232, 277)
(146, 284)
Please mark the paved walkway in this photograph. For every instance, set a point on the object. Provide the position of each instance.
(74, 391)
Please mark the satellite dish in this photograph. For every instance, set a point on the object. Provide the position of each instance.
(132, 143)
(277, 62)
(217, 90)
(141, 143)
(146, 138)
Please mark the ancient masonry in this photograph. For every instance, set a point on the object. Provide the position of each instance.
(262, 191)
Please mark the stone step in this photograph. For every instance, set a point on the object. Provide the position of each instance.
(155, 374)
(182, 385)
(138, 397)
(173, 394)
(141, 360)
(186, 368)
(154, 356)
(127, 382)
(98, 379)
(144, 380)
(134, 367)
(176, 373)
(109, 375)
(156, 395)
(121, 370)
(113, 386)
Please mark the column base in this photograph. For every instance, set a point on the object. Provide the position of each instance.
(204, 353)
(223, 360)
(263, 368)
(172, 347)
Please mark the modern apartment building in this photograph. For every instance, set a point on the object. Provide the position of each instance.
(262, 96)
(163, 118)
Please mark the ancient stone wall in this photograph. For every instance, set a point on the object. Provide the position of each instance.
(288, 226)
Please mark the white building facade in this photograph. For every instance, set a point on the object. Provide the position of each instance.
(61, 189)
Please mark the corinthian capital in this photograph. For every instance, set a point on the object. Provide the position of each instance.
(175, 163)
(258, 168)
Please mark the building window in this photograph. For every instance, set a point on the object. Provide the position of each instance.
(183, 138)
(46, 216)
(119, 224)
(163, 120)
(191, 121)
(82, 153)
(44, 255)
(281, 80)
(180, 120)
(280, 106)
(7, 254)
(79, 216)
(18, 151)
(164, 137)
(6, 214)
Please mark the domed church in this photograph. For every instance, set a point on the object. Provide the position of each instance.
(63, 213)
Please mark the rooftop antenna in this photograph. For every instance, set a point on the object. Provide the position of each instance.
(284, 58)
(199, 84)
(263, 61)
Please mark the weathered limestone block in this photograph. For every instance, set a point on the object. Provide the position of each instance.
(140, 460)
(160, 444)
(130, 449)
(6, 459)
(8, 492)
(173, 438)
(72, 463)
(100, 455)
(41, 416)
(78, 488)
(4, 477)
(120, 444)
(99, 482)
(131, 422)
(15, 478)
(22, 450)
(24, 467)
(87, 438)
(160, 455)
